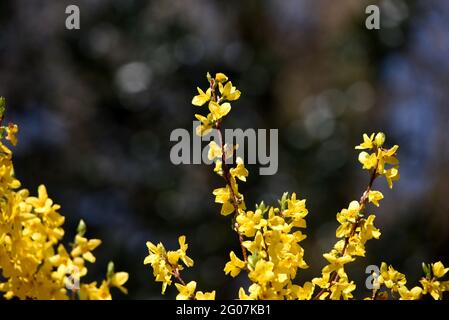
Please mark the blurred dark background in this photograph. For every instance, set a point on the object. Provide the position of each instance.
(96, 107)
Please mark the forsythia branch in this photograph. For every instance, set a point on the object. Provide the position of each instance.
(270, 236)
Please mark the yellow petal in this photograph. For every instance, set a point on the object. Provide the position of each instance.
(221, 77)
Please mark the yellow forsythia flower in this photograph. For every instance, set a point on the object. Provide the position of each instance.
(239, 172)
(374, 197)
(201, 98)
(206, 124)
(223, 196)
(11, 133)
(205, 295)
(229, 92)
(249, 222)
(234, 266)
(218, 111)
(221, 77)
(438, 269)
(186, 292)
(391, 278)
(166, 264)
(412, 294)
(83, 247)
(367, 142)
(91, 292)
(118, 280)
(214, 151)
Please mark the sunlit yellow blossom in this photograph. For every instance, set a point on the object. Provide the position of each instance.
(392, 175)
(297, 211)
(374, 197)
(369, 161)
(368, 230)
(118, 280)
(257, 245)
(367, 142)
(389, 155)
(229, 92)
(244, 296)
(162, 270)
(173, 257)
(239, 171)
(218, 169)
(263, 272)
(346, 218)
(278, 223)
(354, 245)
(202, 97)
(391, 278)
(379, 139)
(342, 289)
(221, 77)
(91, 292)
(254, 292)
(433, 287)
(383, 160)
(84, 247)
(42, 202)
(218, 111)
(249, 222)
(323, 281)
(412, 294)
(186, 292)
(205, 296)
(214, 151)
(438, 269)
(302, 293)
(206, 125)
(336, 263)
(386, 157)
(223, 196)
(11, 133)
(183, 251)
(165, 263)
(351, 213)
(234, 266)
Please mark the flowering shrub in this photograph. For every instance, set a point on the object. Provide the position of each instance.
(34, 264)
(270, 236)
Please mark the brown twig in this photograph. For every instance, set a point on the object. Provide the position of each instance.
(227, 176)
(177, 276)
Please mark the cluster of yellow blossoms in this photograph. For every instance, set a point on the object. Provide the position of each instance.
(166, 265)
(269, 236)
(34, 264)
(395, 281)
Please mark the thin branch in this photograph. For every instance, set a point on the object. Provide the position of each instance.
(177, 276)
(362, 202)
(235, 201)
(227, 176)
